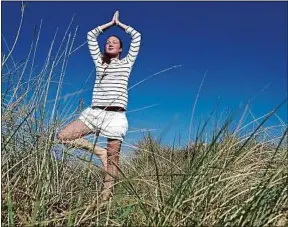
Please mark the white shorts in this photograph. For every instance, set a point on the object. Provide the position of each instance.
(109, 124)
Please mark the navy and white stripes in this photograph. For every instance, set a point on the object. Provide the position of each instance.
(110, 88)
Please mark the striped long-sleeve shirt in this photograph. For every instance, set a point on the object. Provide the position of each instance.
(110, 88)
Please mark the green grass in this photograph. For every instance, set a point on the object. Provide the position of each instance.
(237, 179)
(235, 182)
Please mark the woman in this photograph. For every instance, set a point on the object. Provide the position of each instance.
(106, 116)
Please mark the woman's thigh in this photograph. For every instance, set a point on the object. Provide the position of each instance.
(74, 130)
(113, 147)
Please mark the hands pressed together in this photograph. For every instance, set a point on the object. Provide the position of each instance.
(115, 19)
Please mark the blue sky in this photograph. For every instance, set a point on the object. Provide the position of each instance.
(242, 45)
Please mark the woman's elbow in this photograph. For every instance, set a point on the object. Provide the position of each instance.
(89, 35)
(138, 37)
(139, 34)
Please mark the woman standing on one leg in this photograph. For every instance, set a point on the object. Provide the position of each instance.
(107, 114)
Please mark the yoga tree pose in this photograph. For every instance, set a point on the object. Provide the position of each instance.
(107, 114)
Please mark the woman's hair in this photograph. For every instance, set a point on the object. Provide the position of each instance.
(105, 57)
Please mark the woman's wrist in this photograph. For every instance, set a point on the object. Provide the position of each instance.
(107, 25)
(123, 26)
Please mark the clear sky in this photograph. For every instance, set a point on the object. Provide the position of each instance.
(242, 45)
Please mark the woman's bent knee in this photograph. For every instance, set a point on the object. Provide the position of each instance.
(62, 136)
(73, 131)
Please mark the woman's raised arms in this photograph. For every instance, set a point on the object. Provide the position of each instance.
(92, 38)
(135, 36)
(94, 46)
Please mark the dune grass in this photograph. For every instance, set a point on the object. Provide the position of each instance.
(237, 179)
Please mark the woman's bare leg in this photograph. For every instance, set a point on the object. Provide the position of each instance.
(113, 154)
(72, 134)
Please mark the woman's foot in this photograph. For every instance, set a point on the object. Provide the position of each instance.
(106, 193)
(84, 144)
(103, 157)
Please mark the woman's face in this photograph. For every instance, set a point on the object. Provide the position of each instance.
(113, 47)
